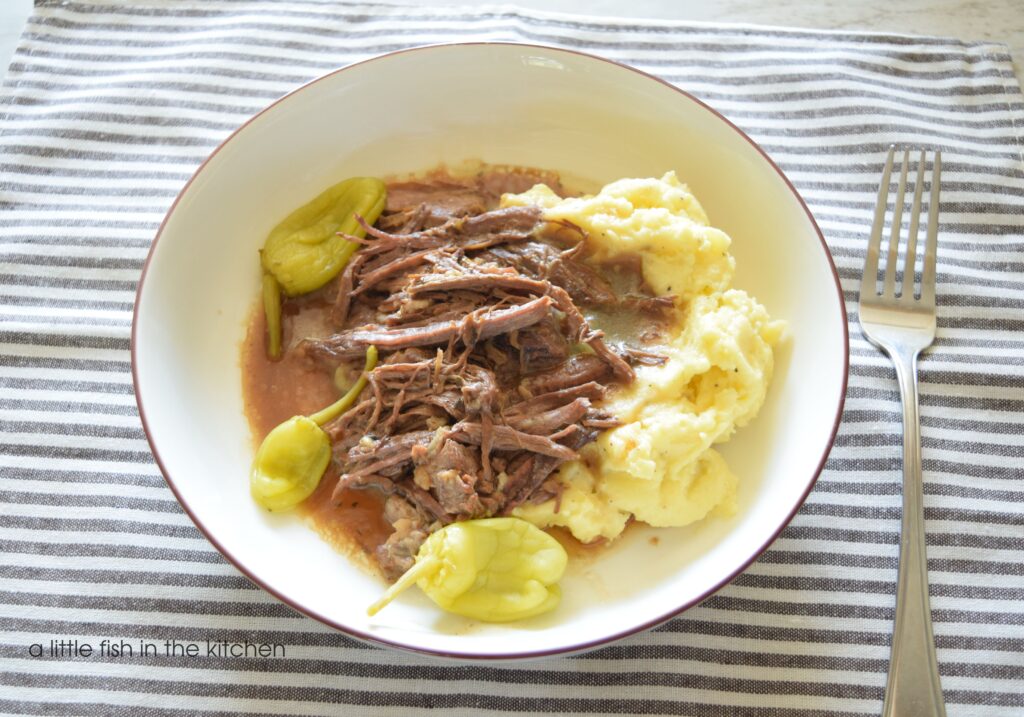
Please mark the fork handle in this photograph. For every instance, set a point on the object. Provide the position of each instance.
(913, 688)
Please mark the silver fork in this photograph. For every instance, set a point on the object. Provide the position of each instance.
(903, 326)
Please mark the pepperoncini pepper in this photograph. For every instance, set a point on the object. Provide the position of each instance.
(292, 459)
(304, 251)
(495, 570)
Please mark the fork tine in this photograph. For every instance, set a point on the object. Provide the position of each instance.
(870, 277)
(932, 241)
(889, 284)
(910, 260)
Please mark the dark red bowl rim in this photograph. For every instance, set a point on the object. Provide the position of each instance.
(582, 646)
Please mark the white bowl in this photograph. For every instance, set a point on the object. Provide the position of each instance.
(502, 103)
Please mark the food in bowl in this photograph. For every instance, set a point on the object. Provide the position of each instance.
(564, 362)
(540, 107)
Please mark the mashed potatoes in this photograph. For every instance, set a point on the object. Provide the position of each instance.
(660, 465)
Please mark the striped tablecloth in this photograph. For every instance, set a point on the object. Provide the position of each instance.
(109, 107)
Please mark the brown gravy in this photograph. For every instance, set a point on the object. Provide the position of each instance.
(624, 325)
(355, 520)
(274, 391)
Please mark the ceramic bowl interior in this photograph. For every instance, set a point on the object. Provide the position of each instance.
(593, 120)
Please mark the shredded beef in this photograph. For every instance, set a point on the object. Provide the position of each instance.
(576, 371)
(481, 323)
(386, 452)
(551, 420)
(412, 206)
(398, 553)
(421, 204)
(509, 439)
(489, 375)
(541, 347)
(541, 260)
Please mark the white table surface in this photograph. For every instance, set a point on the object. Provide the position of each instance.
(995, 20)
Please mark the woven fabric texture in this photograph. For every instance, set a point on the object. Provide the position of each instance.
(107, 110)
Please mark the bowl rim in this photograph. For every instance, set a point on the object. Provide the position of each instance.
(474, 656)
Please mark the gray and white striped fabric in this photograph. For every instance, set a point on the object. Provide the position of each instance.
(109, 107)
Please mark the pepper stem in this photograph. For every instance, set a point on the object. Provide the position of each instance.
(325, 415)
(420, 569)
